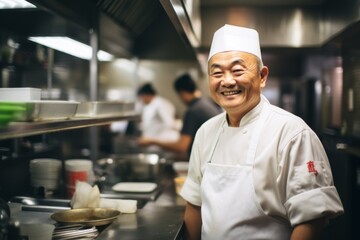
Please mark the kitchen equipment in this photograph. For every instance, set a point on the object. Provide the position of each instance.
(20, 94)
(86, 216)
(47, 110)
(129, 167)
(105, 109)
(4, 214)
(134, 187)
(45, 172)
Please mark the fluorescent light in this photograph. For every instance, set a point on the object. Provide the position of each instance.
(11, 4)
(71, 47)
(104, 56)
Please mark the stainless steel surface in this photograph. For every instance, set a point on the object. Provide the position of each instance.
(138, 28)
(282, 27)
(28, 129)
(86, 216)
(104, 109)
(160, 219)
(280, 23)
(151, 222)
(37, 208)
(129, 167)
(49, 110)
(180, 19)
(31, 204)
(41, 205)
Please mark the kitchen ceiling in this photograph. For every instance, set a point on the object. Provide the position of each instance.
(144, 28)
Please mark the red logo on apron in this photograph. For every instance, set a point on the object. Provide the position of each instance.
(311, 167)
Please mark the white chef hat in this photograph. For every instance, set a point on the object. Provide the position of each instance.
(234, 38)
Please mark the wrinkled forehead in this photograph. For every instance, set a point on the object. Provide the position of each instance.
(229, 58)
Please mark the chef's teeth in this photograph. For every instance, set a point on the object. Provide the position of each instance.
(230, 93)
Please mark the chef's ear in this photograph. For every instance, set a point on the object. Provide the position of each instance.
(264, 72)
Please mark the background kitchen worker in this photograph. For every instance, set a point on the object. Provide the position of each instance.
(256, 171)
(158, 115)
(199, 109)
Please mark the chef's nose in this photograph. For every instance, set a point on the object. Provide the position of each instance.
(228, 80)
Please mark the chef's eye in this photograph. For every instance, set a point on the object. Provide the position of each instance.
(238, 71)
(217, 74)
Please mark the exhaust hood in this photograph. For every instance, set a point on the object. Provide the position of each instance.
(151, 29)
(170, 29)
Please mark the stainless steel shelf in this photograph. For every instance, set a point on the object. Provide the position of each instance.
(23, 129)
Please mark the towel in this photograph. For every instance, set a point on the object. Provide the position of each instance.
(123, 205)
(85, 196)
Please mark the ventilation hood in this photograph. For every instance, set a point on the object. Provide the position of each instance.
(151, 29)
(291, 26)
(170, 29)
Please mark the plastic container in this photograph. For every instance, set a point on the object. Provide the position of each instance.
(20, 94)
(77, 170)
(45, 172)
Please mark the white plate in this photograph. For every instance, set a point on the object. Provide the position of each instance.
(134, 187)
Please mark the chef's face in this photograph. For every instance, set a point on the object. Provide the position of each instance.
(236, 79)
(146, 98)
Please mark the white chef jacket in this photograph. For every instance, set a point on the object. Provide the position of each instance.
(292, 176)
(158, 120)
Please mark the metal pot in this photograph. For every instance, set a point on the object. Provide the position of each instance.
(128, 167)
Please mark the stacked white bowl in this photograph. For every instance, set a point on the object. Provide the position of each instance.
(45, 172)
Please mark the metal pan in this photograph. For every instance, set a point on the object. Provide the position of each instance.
(86, 216)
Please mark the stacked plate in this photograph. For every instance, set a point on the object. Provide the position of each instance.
(45, 172)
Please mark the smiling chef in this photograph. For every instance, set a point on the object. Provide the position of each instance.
(256, 171)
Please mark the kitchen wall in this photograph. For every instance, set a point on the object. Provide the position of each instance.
(128, 75)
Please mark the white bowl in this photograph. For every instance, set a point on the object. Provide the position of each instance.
(20, 94)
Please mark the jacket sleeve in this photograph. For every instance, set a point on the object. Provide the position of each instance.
(309, 189)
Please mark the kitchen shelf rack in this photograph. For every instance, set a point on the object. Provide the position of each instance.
(24, 129)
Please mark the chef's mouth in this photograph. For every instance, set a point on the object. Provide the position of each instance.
(230, 93)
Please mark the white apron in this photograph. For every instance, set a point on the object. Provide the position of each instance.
(230, 209)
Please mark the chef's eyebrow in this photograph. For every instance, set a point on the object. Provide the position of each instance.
(237, 61)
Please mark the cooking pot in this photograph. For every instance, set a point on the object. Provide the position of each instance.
(128, 167)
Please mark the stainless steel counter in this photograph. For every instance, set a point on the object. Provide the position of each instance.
(159, 219)
(151, 222)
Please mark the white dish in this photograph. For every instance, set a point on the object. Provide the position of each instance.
(134, 187)
(48, 110)
(20, 94)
